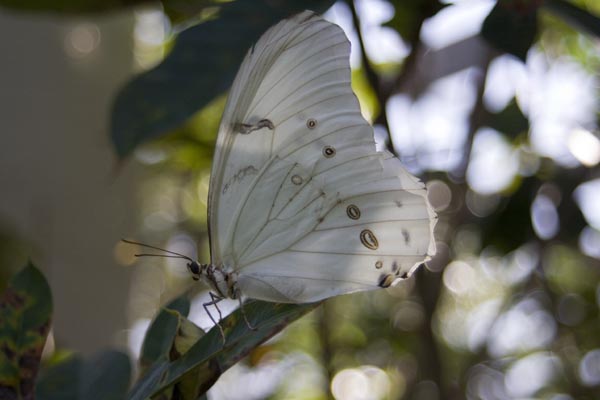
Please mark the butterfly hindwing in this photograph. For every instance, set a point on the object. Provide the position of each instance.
(367, 234)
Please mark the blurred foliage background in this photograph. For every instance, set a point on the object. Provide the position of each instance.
(494, 104)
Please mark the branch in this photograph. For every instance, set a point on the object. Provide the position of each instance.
(372, 76)
(324, 316)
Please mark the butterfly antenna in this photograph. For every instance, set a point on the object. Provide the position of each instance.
(159, 255)
(172, 253)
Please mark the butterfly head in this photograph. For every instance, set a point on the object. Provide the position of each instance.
(196, 269)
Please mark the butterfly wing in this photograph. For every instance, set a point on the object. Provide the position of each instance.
(295, 65)
(304, 207)
(357, 225)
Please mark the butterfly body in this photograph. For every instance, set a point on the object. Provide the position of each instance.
(222, 283)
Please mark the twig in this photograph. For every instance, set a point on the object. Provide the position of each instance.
(372, 76)
(324, 317)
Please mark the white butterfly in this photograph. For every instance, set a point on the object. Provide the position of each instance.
(301, 205)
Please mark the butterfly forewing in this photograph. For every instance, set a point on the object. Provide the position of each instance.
(302, 206)
(282, 204)
(282, 79)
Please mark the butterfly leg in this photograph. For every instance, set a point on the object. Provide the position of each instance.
(214, 300)
(248, 324)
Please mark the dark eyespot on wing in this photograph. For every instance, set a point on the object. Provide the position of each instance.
(353, 211)
(297, 180)
(266, 123)
(329, 151)
(369, 240)
(385, 280)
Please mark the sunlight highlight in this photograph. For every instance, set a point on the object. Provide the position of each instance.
(150, 34)
(585, 147)
(363, 383)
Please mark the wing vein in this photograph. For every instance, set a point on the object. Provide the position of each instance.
(289, 72)
(359, 282)
(372, 222)
(270, 211)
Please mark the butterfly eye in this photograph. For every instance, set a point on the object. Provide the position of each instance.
(297, 180)
(353, 211)
(194, 268)
(369, 240)
(311, 123)
(328, 151)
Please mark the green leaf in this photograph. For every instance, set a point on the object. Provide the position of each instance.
(159, 338)
(182, 10)
(212, 355)
(180, 304)
(410, 14)
(511, 26)
(162, 332)
(60, 381)
(25, 312)
(177, 10)
(577, 17)
(200, 67)
(169, 336)
(187, 334)
(106, 376)
(191, 384)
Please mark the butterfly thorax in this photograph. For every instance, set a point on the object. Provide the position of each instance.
(222, 283)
